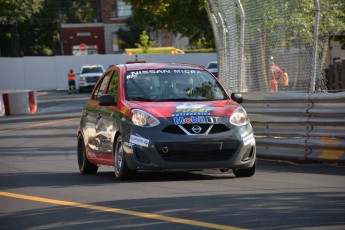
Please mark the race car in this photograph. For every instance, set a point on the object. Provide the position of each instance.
(164, 116)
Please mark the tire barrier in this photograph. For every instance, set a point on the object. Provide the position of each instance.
(301, 126)
(18, 102)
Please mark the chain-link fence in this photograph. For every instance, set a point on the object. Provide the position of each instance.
(268, 45)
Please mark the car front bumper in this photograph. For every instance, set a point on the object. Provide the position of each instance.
(156, 150)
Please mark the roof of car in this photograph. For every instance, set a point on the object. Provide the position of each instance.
(139, 66)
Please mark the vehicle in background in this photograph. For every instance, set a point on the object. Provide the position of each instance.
(164, 116)
(154, 50)
(212, 66)
(88, 76)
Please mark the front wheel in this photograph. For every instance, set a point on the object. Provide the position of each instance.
(248, 172)
(85, 167)
(121, 169)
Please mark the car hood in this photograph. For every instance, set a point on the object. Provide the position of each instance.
(179, 109)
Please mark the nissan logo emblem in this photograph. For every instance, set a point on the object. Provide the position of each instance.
(196, 129)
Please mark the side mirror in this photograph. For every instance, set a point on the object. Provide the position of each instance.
(106, 100)
(238, 97)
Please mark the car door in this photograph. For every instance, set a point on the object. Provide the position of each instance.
(107, 124)
(91, 117)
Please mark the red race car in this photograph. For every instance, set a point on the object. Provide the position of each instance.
(164, 116)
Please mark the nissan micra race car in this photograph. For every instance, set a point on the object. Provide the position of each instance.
(164, 116)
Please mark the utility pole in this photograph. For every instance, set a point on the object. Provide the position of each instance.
(60, 32)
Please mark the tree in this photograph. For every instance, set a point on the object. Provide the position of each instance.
(145, 42)
(188, 17)
(31, 27)
(128, 38)
(12, 13)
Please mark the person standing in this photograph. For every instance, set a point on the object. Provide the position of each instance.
(284, 80)
(276, 73)
(71, 82)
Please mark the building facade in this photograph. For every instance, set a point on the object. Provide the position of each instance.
(100, 36)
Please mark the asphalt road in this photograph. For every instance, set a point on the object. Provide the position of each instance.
(41, 187)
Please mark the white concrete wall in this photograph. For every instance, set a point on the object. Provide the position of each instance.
(48, 73)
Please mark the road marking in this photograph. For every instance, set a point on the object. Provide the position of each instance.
(36, 125)
(120, 211)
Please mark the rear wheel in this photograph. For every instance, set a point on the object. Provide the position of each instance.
(121, 169)
(248, 172)
(85, 167)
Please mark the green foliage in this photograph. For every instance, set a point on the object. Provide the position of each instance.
(31, 27)
(206, 50)
(145, 42)
(76, 11)
(12, 14)
(188, 18)
(12, 11)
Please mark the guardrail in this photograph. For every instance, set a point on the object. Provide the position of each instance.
(302, 126)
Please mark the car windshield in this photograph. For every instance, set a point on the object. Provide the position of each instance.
(92, 69)
(172, 85)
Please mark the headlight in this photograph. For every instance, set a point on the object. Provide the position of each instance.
(239, 117)
(144, 119)
(82, 78)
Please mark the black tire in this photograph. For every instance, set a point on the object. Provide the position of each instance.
(121, 169)
(85, 167)
(248, 172)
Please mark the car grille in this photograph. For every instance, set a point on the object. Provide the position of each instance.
(92, 79)
(196, 152)
(176, 129)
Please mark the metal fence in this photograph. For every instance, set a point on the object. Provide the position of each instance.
(336, 75)
(251, 35)
(303, 126)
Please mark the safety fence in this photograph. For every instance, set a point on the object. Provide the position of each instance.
(336, 75)
(253, 36)
(300, 126)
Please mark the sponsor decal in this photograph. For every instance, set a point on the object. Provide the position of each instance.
(134, 74)
(192, 109)
(248, 139)
(139, 140)
(195, 120)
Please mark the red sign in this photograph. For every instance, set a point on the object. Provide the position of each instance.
(82, 47)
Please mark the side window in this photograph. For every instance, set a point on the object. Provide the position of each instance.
(114, 85)
(100, 87)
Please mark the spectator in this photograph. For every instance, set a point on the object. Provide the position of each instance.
(276, 73)
(71, 82)
(284, 80)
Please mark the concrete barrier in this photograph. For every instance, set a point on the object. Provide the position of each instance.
(18, 102)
